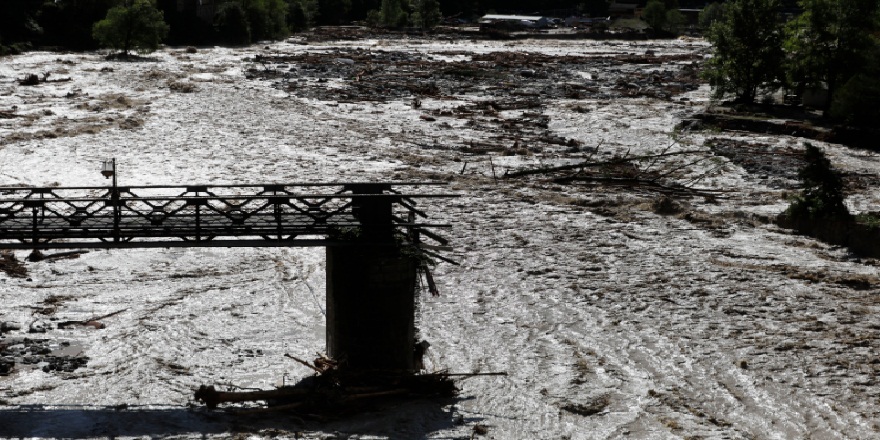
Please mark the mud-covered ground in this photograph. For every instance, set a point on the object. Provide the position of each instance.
(643, 293)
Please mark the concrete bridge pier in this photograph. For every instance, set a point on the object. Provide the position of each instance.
(371, 292)
(371, 307)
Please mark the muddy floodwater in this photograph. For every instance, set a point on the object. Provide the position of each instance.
(635, 287)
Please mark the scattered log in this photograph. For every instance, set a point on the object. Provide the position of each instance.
(91, 322)
(32, 79)
(333, 390)
(39, 256)
(588, 164)
(212, 398)
(638, 182)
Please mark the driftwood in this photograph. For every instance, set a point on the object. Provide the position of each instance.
(39, 256)
(212, 398)
(91, 322)
(635, 181)
(588, 164)
(33, 79)
(333, 390)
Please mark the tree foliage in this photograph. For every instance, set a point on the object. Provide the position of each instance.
(655, 14)
(267, 19)
(334, 12)
(822, 194)
(710, 14)
(856, 101)
(134, 24)
(232, 24)
(426, 13)
(830, 43)
(748, 50)
(392, 13)
(663, 16)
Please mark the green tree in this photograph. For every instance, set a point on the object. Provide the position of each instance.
(710, 14)
(663, 15)
(134, 24)
(426, 13)
(311, 11)
(296, 17)
(855, 103)
(822, 194)
(674, 21)
(655, 14)
(748, 52)
(232, 24)
(392, 13)
(374, 18)
(830, 42)
(267, 19)
(333, 12)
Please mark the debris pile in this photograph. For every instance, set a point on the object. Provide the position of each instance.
(779, 165)
(11, 265)
(334, 391)
(364, 75)
(32, 79)
(51, 357)
(509, 91)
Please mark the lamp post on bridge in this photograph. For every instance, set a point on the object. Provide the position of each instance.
(108, 170)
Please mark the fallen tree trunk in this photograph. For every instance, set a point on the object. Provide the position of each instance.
(636, 182)
(587, 164)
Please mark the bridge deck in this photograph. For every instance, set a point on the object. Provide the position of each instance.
(202, 215)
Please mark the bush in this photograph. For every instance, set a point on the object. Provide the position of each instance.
(822, 195)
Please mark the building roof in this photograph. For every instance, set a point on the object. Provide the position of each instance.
(490, 17)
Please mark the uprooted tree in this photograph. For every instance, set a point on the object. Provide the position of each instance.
(132, 25)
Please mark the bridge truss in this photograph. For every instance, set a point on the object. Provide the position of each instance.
(267, 215)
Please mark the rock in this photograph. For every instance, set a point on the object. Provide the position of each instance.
(8, 326)
(39, 327)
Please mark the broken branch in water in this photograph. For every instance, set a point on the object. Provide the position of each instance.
(91, 322)
(632, 182)
(587, 164)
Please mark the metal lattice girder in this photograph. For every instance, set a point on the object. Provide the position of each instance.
(208, 215)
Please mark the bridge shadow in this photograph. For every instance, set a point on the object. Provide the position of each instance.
(412, 419)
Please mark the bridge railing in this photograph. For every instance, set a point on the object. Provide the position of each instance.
(305, 214)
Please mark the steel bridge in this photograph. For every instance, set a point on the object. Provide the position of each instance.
(267, 215)
(366, 228)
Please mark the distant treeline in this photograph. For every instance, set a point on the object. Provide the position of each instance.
(67, 24)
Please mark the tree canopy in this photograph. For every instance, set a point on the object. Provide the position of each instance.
(748, 50)
(134, 24)
(830, 43)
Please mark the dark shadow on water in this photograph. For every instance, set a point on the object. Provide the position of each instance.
(412, 419)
